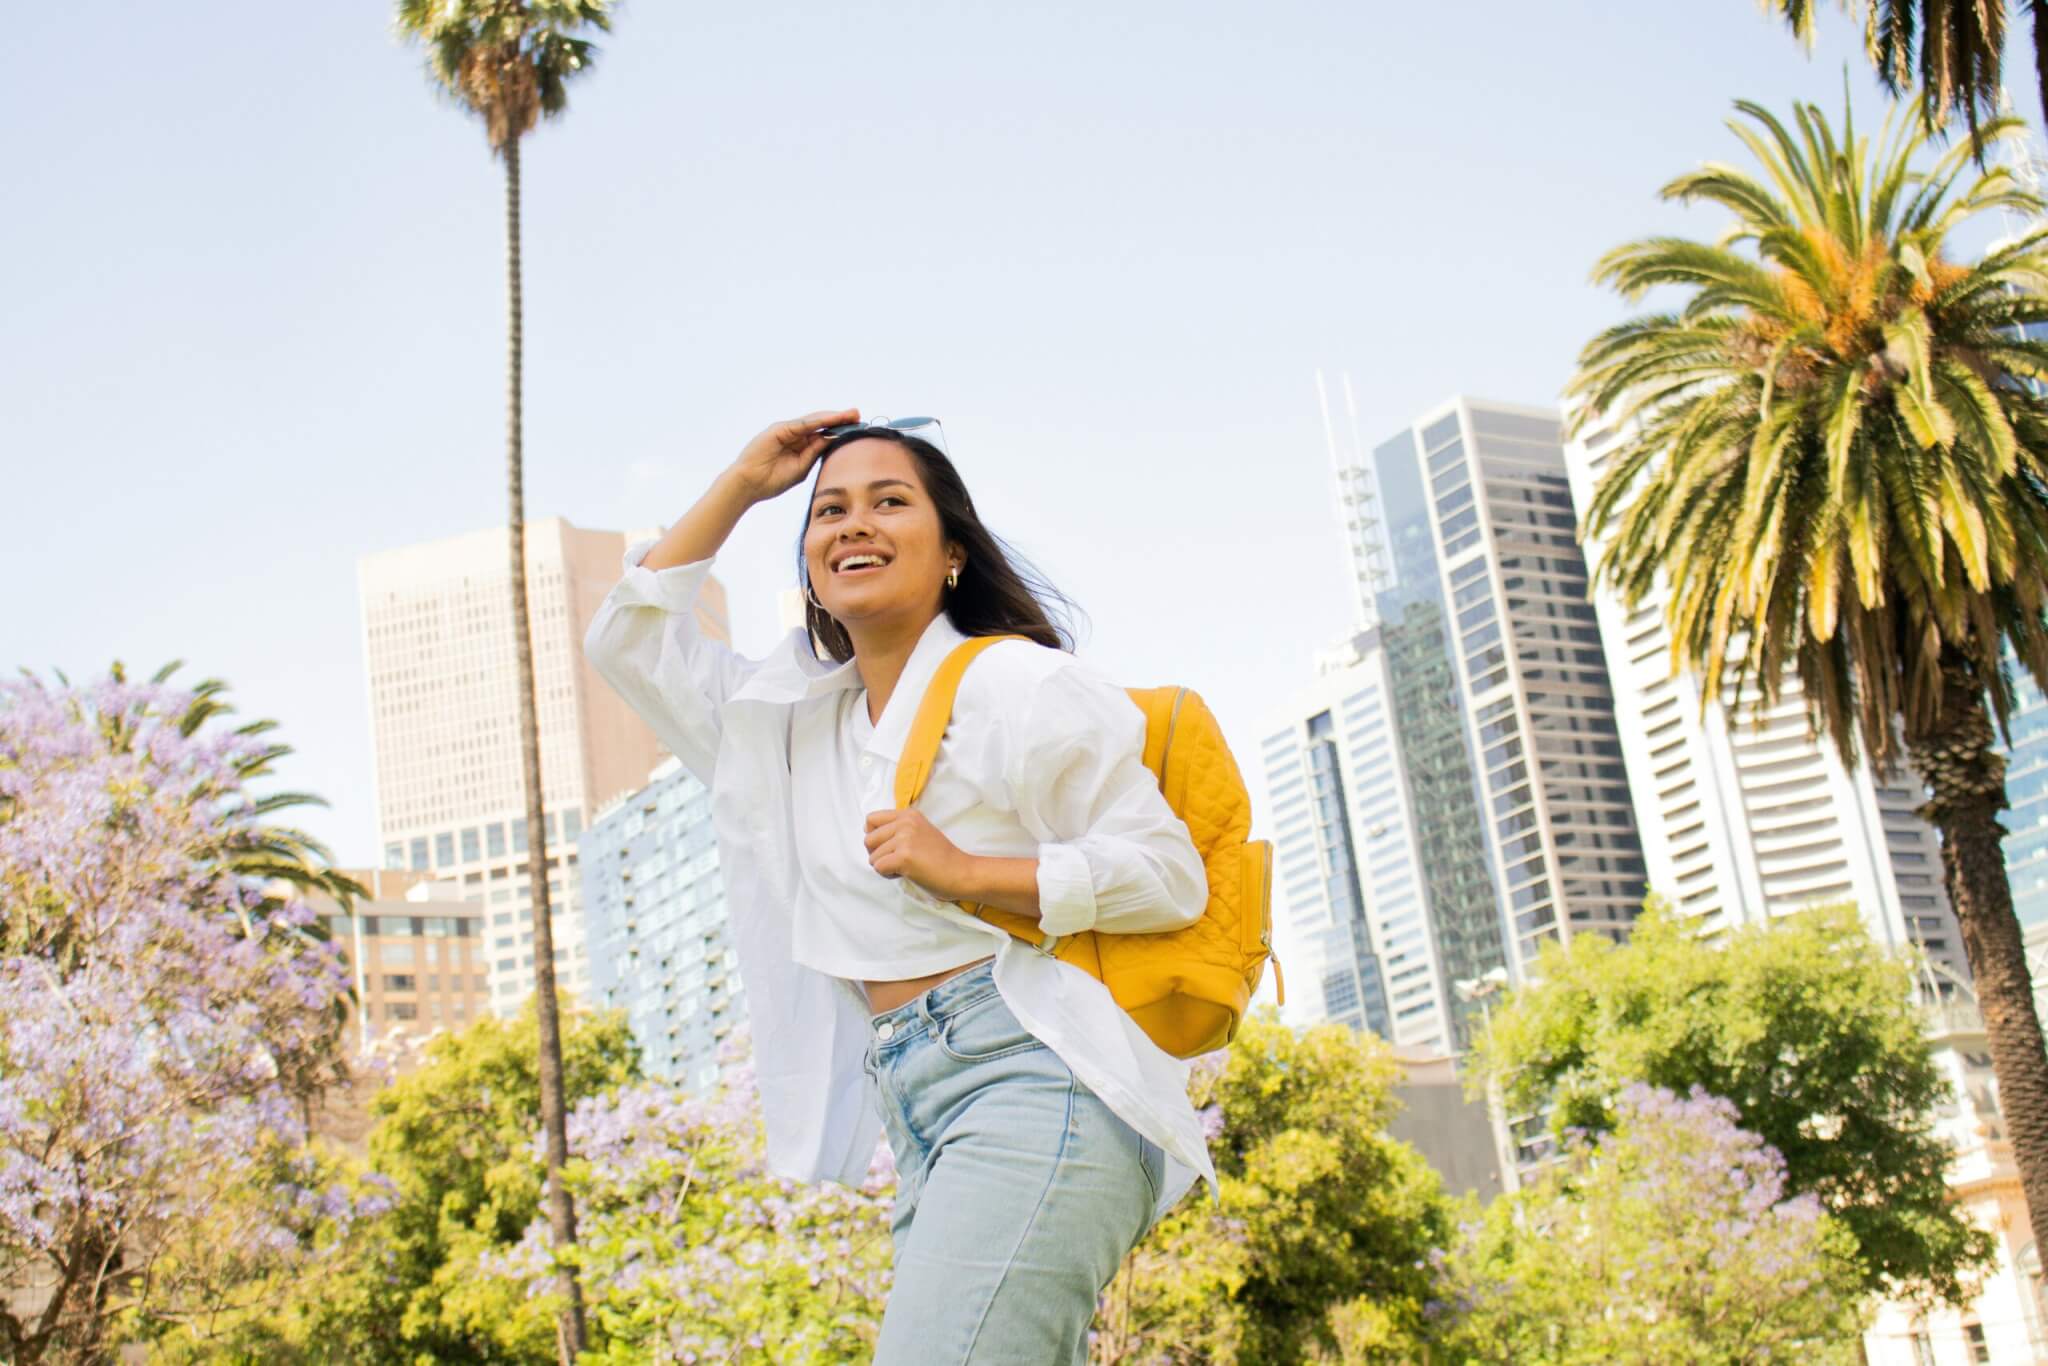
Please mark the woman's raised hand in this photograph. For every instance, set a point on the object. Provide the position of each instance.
(779, 457)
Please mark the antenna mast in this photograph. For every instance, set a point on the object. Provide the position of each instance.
(1358, 510)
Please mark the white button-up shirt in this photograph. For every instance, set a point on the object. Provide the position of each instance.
(1042, 759)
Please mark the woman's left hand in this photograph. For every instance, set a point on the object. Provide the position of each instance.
(902, 843)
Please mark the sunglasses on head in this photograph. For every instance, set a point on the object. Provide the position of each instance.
(923, 428)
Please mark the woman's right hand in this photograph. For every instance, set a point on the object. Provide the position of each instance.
(779, 457)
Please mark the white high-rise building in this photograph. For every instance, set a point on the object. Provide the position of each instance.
(1317, 757)
(1747, 817)
(444, 722)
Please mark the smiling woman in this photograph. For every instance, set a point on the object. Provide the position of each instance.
(887, 485)
(1038, 1130)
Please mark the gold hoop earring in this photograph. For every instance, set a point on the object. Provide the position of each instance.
(953, 577)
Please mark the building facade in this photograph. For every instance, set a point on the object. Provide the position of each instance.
(655, 902)
(1313, 758)
(444, 718)
(1746, 817)
(414, 949)
(1449, 794)
(1539, 709)
(2026, 787)
(2007, 1322)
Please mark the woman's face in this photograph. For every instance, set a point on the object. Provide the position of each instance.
(874, 546)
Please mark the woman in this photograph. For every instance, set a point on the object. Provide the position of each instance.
(1037, 1131)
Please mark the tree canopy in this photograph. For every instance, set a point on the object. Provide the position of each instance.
(1807, 1027)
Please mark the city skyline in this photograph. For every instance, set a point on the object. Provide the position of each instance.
(1117, 304)
(439, 649)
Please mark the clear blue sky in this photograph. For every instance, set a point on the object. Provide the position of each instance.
(253, 325)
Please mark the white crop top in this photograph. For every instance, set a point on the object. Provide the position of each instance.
(850, 920)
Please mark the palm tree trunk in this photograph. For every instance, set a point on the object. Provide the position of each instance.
(1957, 760)
(553, 1114)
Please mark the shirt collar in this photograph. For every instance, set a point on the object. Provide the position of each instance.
(792, 674)
(931, 650)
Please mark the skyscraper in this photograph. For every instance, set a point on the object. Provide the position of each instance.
(657, 917)
(444, 720)
(1746, 817)
(1558, 820)
(1313, 769)
(1472, 640)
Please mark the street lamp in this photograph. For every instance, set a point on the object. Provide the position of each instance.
(1483, 989)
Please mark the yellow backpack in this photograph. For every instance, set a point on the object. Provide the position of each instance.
(1186, 988)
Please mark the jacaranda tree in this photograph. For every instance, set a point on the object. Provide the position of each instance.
(690, 1249)
(1835, 453)
(1670, 1238)
(164, 1015)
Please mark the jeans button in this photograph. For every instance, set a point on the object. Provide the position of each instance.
(886, 1030)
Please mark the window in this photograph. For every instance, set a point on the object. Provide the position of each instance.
(406, 1010)
(444, 850)
(472, 845)
(1980, 1350)
(494, 839)
(394, 856)
(419, 854)
(1439, 431)
(399, 981)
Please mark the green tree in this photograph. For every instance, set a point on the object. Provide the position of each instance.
(453, 1152)
(1833, 453)
(1806, 1027)
(509, 62)
(691, 1249)
(1322, 1215)
(1954, 53)
(1668, 1241)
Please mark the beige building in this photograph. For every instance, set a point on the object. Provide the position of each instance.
(444, 721)
(415, 957)
(2008, 1321)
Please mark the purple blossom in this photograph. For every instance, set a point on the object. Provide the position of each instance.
(157, 1009)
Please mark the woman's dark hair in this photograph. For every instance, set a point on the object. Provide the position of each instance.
(1000, 592)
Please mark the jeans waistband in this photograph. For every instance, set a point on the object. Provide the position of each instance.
(948, 995)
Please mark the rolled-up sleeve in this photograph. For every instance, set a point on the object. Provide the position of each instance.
(1112, 855)
(647, 643)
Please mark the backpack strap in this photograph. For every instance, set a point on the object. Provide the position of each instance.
(921, 751)
(928, 727)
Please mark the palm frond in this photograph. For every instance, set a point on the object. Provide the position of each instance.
(1833, 454)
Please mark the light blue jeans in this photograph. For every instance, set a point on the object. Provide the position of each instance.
(1018, 1191)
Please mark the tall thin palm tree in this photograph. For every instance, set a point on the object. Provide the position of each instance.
(509, 63)
(1951, 53)
(1836, 454)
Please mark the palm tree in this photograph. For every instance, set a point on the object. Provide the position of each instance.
(1836, 453)
(509, 62)
(1951, 51)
